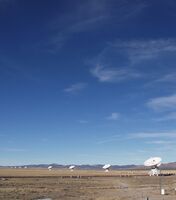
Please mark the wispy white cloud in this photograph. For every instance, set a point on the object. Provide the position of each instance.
(139, 50)
(160, 142)
(57, 41)
(163, 103)
(44, 139)
(133, 54)
(109, 139)
(167, 80)
(82, 121)
(88, 16)
(171, 77)
(85, 16)
(105, 74)
(75, 88)
(145, 135)
(86, 24)
(14, 150)
(113, 116)
(169, 116)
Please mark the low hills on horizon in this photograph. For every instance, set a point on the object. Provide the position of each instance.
(171, 165)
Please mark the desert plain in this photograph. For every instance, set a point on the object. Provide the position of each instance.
(62, 184)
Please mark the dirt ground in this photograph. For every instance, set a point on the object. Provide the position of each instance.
(106, 187)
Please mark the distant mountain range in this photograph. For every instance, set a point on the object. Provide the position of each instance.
(171, 165)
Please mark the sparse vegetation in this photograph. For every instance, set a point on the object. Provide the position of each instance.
(33, 184)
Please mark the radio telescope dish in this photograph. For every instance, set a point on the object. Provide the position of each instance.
(50, 167)
(106, 167)
(154, 164)
(72, 167)
(154, 161)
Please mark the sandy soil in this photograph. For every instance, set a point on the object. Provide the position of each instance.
(40, 184)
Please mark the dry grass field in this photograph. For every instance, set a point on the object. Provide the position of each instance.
(33, 184)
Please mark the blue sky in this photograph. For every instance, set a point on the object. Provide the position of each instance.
(87, 82)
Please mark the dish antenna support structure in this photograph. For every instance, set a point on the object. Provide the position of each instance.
(154, 164)
(106, 167)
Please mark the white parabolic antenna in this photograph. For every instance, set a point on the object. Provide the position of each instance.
(50, 167)
(154, 164)
(106, 167)
(72, 167)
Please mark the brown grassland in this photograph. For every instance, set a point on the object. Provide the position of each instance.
(33, 184)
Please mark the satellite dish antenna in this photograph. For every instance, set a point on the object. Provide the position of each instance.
(50, 167)
(153, 163)
(106, 167)
(72, 167)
